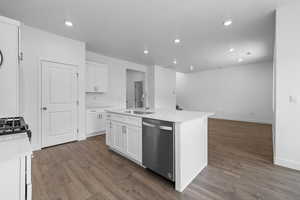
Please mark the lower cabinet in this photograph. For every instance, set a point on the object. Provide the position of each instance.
(95, 122)
(125, 139)
(133, 138)
(15, 181)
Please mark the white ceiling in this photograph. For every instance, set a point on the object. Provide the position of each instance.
(124, 28)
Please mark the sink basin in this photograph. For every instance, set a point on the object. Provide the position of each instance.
(139, 112)
(142, 112)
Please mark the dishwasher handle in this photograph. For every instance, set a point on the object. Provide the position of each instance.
(149, 125)
(166, 128)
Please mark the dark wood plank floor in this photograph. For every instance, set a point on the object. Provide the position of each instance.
(240, 167)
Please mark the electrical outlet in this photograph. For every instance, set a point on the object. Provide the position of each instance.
(293, 99)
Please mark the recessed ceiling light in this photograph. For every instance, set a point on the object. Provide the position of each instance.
(174, 61)
(68, 23)
(240, 60)
(177, 41)
(231, 50)
(227, 22)
(191, 67)
(146, 52)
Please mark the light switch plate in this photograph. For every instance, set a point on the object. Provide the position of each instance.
(293, 99)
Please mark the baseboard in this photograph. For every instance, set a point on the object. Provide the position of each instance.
(95, 134)
(242, 119)
(287, 163)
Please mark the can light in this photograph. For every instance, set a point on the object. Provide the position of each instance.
(177, 41)
(146, 52)
(68, 23)
(227, 22)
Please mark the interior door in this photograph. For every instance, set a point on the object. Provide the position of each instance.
(59, 103)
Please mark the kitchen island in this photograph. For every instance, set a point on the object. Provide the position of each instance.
(124, 136)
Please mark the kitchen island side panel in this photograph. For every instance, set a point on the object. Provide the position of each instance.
(190, 151)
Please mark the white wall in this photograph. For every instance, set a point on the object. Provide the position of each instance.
(287, 136)
(133, 76)
(37, 45)
(116, 95)
(241, 93)
(162, 87)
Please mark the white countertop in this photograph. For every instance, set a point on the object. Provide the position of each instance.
(12, 146)
(166, 115)
(97, 107)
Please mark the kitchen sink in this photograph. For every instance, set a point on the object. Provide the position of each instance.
(139, 112)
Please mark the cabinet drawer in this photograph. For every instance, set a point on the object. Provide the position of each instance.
(135, 121)
(116, 117)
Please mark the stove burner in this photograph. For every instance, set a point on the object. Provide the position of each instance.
(13, 125)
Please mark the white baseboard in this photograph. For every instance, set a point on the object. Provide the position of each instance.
(287, 163)
(242, 119)
(95, 134)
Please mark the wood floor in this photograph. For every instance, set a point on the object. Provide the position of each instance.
(240, 167)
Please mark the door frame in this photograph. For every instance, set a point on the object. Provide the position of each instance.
(40, 83)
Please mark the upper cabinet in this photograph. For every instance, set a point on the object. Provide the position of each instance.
(9, 67)
(96, 77)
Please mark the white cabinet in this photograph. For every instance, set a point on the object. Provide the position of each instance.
(95, 122)
(124, 135)
(9, 67)
(16, 178)
(96, 77)
(132, 143)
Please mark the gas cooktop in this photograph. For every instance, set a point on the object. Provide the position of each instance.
(13, 125)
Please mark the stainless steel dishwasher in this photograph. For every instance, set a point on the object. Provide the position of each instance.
(158, 147)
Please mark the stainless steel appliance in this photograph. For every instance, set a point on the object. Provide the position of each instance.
(158, 147)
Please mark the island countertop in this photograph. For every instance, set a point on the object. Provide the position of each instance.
(165, 115)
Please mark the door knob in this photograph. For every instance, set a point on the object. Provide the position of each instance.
(44, 108)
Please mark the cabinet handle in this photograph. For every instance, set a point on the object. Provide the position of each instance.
(1, 58)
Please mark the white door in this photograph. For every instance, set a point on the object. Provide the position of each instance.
(59, 103)
(9, 76)
(132, 142)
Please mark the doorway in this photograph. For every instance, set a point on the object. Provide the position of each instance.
(59, 103)
(135, 89)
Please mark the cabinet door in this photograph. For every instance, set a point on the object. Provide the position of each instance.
(91, 121)
(9, 74)
(108, 135)
(89, 78)
(117, 130)
(101, 122)
(132, 141)
(96, 77)
(12, 184)
(101, 78)
(95, 122)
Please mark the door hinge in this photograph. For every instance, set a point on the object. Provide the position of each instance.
(21, 56)
(77, 130)
(77, 74)
(77, 103)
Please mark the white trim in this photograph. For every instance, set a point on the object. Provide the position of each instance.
(287, 163)
(39, 95)
(9, 21)
(242, 119)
